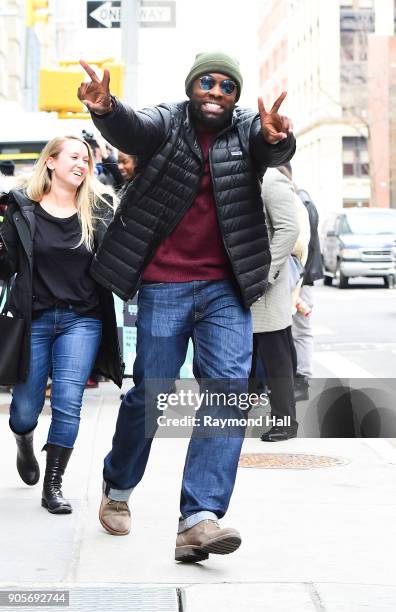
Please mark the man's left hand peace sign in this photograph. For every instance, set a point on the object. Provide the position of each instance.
(274, 127)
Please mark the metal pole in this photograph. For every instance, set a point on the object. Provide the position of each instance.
(130, 49)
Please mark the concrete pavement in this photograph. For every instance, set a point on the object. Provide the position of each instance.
(320, 539)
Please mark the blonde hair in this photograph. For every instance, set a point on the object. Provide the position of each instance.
(88, 194)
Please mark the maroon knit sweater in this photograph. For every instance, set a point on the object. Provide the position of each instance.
(195, 249)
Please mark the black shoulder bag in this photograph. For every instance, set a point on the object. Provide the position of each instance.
(11, 338)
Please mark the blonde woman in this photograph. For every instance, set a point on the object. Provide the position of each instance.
(50, 233)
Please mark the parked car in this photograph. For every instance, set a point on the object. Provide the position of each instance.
(359, 242)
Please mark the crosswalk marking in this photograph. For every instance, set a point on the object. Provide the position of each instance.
(340, 366)
(383, 448)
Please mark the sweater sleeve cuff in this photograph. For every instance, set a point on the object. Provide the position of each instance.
(114, 108)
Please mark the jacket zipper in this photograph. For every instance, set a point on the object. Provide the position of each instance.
(220, 223)
(4, 242)
(28, 253)
(152, 252)
(154, 248)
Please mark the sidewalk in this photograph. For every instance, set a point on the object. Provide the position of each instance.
(320, 539)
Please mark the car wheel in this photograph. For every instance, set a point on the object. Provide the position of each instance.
(389, 281)
(328, 281)
(342, 280)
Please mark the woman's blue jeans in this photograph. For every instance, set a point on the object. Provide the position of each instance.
(169, 314)
(65, 344)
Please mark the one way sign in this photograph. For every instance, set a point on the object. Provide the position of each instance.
(151, 14)
(104, 14)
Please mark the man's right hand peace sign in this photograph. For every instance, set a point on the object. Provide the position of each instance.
(274, 127)
(95, 95)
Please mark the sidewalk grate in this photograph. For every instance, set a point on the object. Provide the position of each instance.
(288, 461)
(117, 598)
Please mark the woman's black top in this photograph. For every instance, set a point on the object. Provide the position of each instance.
(60, 270)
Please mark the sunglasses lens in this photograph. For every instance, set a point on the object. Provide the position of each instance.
(227, 86)
(207, 82)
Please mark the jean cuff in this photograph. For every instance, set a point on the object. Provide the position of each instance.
(117, 494)
(194, 519)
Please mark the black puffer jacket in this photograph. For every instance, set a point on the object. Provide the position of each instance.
(17, 233)
(169, 175)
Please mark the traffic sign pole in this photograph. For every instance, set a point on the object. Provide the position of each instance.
(130, 10)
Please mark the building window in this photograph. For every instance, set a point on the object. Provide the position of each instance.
(394, 16)
(356, 22)
(357, 4)
(355, 158)
(360, 19)
(354, 46)
(347, 203)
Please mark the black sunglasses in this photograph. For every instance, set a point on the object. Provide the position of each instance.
(207, 82)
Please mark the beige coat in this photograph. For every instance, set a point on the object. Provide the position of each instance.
(274, 310)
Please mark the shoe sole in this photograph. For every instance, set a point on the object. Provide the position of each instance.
(59, 510)
(112, 531)
(190, 554)
(221, 546)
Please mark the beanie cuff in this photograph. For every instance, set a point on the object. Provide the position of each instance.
(215, 62)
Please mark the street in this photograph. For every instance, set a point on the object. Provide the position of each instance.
(355, 330)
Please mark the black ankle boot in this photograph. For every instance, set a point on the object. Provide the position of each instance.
(27, 465)
(301, 388)
(278, 433)
(52, 497)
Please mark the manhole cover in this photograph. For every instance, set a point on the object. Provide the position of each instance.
(287, 461)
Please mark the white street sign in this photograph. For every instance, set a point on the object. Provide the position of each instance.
(107, 15)
(154, 12)
(151, 14)
(157, 14)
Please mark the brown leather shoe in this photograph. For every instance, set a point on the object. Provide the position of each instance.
(205, 537)
(115, 516)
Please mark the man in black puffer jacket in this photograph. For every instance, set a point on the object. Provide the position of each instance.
(190, 234)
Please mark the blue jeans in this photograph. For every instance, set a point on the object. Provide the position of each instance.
(169, 314)
(64, 343)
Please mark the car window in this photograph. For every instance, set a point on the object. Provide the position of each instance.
(344, 227)
(371, 222)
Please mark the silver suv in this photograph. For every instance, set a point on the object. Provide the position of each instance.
(358, 242)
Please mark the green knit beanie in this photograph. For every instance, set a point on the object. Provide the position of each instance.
(215, 61)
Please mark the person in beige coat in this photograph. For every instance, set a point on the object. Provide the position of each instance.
(272, 314)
